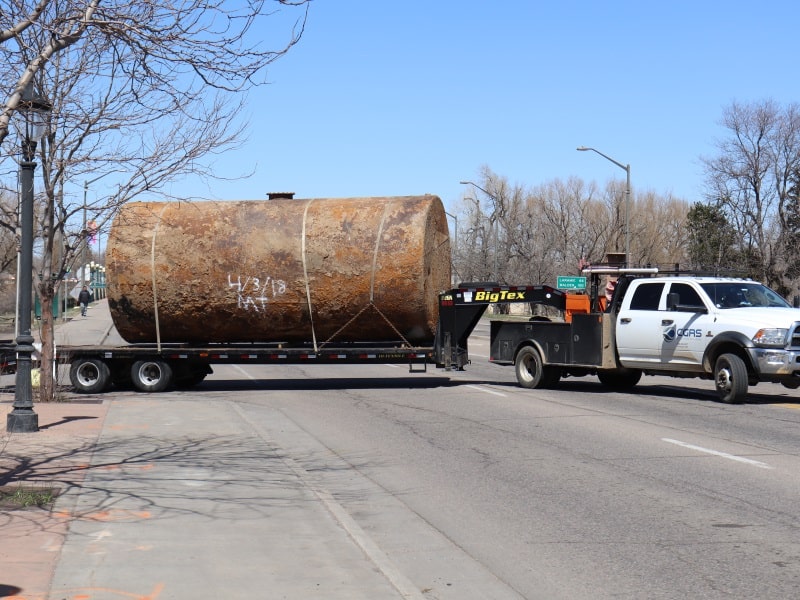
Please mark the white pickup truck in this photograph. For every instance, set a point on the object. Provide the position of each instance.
(734, 331)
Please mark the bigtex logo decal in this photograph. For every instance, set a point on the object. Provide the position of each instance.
(503, 296)
(672, 333)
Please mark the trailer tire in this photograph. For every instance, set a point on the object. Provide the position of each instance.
(89, 375)
(151, 376)
(531, 373)
(621, 379)
(730, 378)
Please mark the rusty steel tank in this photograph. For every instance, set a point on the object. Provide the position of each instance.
(295, 271)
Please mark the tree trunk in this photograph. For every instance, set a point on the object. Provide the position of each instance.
(46, 379)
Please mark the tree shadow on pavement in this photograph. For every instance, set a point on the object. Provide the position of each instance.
(235, 477)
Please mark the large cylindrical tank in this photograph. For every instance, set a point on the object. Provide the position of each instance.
(323, 270)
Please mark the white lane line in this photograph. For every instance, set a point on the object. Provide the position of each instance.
(740, 459)
(243, 372)
(487, 390)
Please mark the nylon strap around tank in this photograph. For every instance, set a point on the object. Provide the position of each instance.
(153, 274)
(375, 254)
(305, 275)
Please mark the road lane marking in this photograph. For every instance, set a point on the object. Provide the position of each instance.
(487, 390)
(740, 459)
(243, 372)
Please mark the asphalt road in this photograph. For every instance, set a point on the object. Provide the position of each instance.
(465, 479)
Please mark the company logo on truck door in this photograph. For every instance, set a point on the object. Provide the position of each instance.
(672, 332)
(501, 296)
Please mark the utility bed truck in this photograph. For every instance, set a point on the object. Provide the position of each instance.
(734, 331)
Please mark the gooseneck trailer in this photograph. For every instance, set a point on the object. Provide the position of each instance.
(158, 367)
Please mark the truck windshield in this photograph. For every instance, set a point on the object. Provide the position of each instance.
(742, 294)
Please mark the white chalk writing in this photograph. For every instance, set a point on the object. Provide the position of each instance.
(255, 293)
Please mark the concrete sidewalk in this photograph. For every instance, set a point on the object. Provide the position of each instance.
(168, 496)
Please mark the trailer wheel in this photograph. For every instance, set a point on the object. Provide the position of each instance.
(620, 379)
(151, 375)
(89, 375)
(531, 373)
(730, 377)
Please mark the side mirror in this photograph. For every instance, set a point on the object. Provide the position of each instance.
(672, 300)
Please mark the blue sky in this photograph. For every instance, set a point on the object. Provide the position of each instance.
(399, 98)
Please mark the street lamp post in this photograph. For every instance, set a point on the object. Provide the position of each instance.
(493, 197)
(22, 418)
(627, 169)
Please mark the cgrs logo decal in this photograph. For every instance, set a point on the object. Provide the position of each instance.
(672, 333)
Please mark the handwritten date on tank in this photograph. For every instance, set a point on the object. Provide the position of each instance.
(255, 293)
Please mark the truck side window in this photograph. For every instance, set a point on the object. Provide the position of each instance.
(688, 295)
(646, 296)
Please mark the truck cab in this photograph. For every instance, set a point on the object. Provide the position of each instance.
(689, 324)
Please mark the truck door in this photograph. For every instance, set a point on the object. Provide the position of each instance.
(684, 330)
(638, 331)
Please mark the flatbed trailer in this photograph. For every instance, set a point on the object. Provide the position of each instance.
(157, 367)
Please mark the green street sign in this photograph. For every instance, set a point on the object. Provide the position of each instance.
(570, 283)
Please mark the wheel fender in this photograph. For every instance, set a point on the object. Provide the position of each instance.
(531, 344)
(725, 342)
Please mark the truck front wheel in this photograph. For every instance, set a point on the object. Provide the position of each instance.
(89, 375)
(531, 373)
(151, 375)
(730, 377)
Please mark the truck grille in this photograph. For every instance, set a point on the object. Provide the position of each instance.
(794, 337)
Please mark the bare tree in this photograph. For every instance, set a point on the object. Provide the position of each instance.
(514, 235)
(750, 179)
(143, 90)
(659, 231)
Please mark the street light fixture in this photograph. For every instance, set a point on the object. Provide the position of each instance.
(627, 169)
(35, 111)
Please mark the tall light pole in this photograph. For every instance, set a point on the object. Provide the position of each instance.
(627, 169)
(22, 418)
(493, 197)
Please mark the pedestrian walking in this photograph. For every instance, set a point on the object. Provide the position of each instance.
(84, 297)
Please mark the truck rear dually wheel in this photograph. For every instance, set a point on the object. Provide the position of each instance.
(730, 378)
(151, 375)
(532, 373)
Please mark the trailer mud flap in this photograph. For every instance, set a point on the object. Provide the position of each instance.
(423, 369)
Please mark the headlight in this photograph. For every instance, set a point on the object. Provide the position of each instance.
(770, 337)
